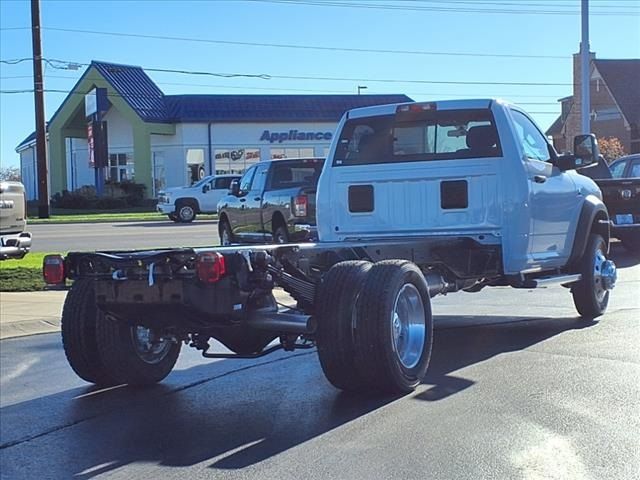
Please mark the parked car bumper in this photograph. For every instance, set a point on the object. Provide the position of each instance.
(15, 246)
(304, 232)
(165, 208)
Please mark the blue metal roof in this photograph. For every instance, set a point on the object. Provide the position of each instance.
(269, 108)
(152, 105)
(136, 88)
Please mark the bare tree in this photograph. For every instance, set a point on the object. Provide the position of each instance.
(10, 174)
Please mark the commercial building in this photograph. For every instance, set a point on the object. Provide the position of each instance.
(170, 140)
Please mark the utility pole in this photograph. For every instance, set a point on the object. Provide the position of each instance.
(585, 64)
(38, 94)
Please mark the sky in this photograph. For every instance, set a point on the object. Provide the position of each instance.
(519, 50)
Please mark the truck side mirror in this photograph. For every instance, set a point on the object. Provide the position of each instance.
(234, 188)
(585, 153)
(205, 188)
(585, 148)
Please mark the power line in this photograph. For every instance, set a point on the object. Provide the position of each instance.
(304, 47)
(422, 8)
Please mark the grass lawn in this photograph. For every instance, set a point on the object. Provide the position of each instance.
(106, 217)
(24, 275)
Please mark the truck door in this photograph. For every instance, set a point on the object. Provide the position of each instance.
(206, 198)
(237, 206)
(254, 229)
(554, 201)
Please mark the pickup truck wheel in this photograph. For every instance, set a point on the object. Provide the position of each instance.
(394, 327)
(186, 212)
(280, 235)
(591, 293)
(336, 299)
(134, 354)
(226, 236)
(79, 319)
(173, 217)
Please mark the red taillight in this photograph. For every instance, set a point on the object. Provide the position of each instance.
(53, 269)
(300, 206)
(211, 267)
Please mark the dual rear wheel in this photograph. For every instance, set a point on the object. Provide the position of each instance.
(375, 327)
(106, 351)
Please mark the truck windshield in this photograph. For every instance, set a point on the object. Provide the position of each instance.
(430, 135)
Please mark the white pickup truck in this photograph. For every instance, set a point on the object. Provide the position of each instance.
(15, 242)
(182, 204)
(414, 200)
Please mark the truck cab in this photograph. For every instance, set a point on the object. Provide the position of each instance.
(478, 168)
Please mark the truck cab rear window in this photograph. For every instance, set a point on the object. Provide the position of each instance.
(431, 135)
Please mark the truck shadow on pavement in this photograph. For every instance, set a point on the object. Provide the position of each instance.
(623, 257)
(227, 414)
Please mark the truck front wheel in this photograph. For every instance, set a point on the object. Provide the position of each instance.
(186, 212)
(394, 327)
(336, 300)
(591, 293)
(134, 354)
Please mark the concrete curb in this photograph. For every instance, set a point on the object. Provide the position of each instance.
(34, 313)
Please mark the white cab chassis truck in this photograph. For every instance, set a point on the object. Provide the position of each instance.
(415, 200)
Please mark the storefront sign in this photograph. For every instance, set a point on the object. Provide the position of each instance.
(96, 101)
(292, 135)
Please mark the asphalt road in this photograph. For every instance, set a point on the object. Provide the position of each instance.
(123, 235)
(518, 388)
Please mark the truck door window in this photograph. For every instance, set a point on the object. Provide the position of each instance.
(618, 169)
(534, 145)
(260, 177)
(223, 183)
(245, 181)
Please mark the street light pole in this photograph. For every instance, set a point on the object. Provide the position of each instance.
(585, 70)
(361, 87)
(38, 93)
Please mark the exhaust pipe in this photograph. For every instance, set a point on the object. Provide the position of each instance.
(282, 322)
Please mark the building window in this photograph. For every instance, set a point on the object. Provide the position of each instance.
(278, 153)
(121, 167)
(235, 160)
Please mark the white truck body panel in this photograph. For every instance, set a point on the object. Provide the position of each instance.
(528, 206)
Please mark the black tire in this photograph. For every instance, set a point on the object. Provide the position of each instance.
(79, 318)
(173, 217)
(336, 299)
(186, 211)
(390, 288)
(589, 296)
(124, 361)
(280, 234)
(225, 233)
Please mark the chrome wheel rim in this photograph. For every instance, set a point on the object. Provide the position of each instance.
(280, 237)
(150, 347)
(599, 288)
(408, 326)
(186, 213)
(226, 238)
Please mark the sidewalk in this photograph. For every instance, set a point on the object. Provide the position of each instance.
(30, 313)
